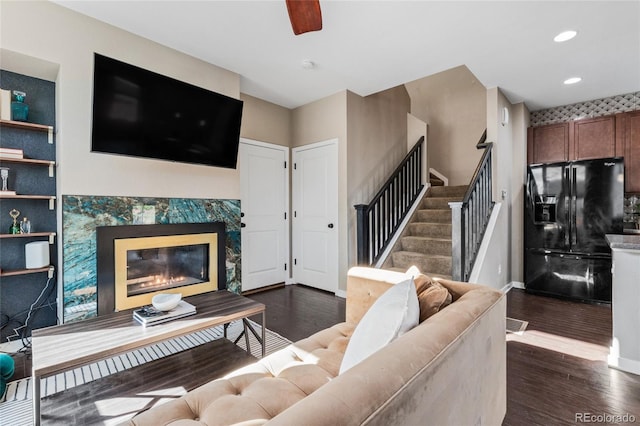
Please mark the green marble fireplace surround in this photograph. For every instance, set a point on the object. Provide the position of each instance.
(82, 214)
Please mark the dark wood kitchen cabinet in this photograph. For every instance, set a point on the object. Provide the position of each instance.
(632, 152)
(593, 138)
(575, 140)
(548, 144)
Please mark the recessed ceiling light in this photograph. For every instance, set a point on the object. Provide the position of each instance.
(564, 36)
(573, 80)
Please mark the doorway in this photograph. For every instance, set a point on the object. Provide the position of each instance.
(264, 188)
(315, 215)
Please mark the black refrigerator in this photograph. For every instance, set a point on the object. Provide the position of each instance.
(569, 207)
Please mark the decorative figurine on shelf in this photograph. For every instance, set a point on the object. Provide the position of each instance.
(4, 173)
(14, 228)
(25, 226)
(19, 110)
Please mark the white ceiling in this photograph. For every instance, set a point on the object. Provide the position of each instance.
(369, 46)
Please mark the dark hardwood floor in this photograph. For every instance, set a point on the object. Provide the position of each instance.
(298, 311)
(557, 370)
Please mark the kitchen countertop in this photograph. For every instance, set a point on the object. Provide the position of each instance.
(626, 241)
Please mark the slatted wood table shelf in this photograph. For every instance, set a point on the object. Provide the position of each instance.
(64, 347)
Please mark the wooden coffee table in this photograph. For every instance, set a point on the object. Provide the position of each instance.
(64, 347)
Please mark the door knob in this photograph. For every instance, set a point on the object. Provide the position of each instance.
(330, 225)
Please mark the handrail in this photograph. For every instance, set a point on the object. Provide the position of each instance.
(482, 144)
(470, 217)
(378, 221)
(398, 169)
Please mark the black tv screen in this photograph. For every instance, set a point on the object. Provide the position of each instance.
(144, 114)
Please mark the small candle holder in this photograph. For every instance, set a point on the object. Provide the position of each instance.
(4, 174)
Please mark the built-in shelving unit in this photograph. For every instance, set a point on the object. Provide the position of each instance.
(25, 125)
(51, 198)
(29, 197)
(28, 161)
(25, 271)
(29, 126)
(32, 161)
(32, 183)
(35, 235)
(31, 235)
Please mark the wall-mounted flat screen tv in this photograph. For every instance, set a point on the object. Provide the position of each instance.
(141, 113)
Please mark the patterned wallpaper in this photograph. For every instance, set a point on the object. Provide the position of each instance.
(595, 108)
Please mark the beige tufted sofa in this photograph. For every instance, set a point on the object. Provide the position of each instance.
(449, 370)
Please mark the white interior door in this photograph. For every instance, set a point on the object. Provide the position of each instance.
(315, 218)
(264, 186)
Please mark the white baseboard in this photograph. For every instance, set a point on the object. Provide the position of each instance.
(624, 364)
(517, 284)
(512, 284)
(339, 293)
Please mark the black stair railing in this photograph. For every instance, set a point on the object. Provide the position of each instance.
(470, 218)
(378, 221)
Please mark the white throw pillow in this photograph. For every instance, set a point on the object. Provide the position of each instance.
(393, 314)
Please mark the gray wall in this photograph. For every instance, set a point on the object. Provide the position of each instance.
(453, 104)
(377, 142)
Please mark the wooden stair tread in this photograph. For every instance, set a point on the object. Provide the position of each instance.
(419, 237)
(447, 197)
(416, 254)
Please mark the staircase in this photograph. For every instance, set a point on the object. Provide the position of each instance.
(426, 242)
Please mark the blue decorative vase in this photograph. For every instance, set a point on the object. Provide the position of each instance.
(19, 110)
(7, 366)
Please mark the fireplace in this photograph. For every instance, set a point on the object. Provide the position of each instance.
(136, 262)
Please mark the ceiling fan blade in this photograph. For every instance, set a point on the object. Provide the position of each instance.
(305, 15)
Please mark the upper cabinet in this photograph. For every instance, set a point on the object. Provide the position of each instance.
(548, 144)
(601, 137)
(593, 138)
(631, 126)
